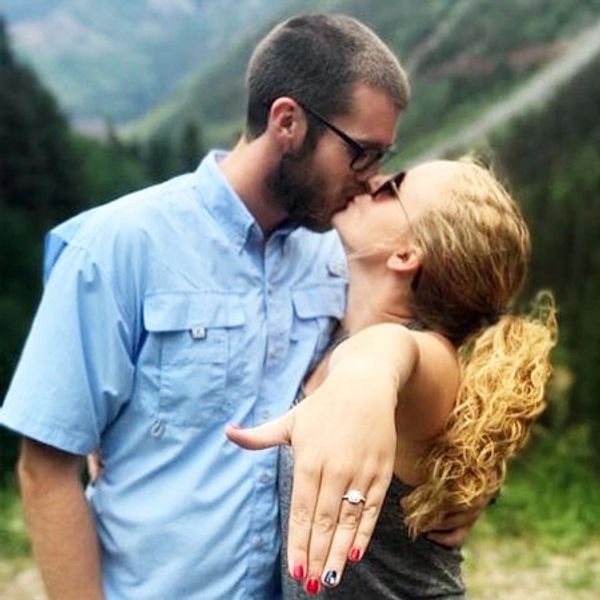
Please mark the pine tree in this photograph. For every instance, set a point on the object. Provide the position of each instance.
(192, 147)
(38, 167)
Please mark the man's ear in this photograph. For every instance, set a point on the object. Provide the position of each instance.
(406, 260)
(287, 124)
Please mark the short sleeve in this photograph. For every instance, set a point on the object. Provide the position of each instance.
(76, 370)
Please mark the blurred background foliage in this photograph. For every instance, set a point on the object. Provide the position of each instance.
(162, 100)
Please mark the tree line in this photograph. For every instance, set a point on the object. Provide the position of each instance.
(550, 156)
(47, 174)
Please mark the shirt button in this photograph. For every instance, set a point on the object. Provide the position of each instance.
(198, 333)
(265, 478)
(265, 414)
(257, 541)
(157, 428)
(338, 269)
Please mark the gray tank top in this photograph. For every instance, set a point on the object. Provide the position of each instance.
(394, 566)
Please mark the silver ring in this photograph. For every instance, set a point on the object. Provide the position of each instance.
(354, 497)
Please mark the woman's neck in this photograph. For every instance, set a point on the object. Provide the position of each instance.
(374, 297)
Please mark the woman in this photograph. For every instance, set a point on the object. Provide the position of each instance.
(437, 254)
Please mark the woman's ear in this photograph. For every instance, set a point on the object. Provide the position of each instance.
(406, 260)
(287, 124)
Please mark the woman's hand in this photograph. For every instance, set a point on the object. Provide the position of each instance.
(343, 438)
(341, 442)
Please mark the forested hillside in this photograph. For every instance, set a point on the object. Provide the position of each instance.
(115, 59)
(462, 55)
(552, 157)
(465, 57)
(46, 174)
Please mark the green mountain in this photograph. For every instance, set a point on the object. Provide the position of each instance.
(114, 59)
(521, 75)
(463, 56)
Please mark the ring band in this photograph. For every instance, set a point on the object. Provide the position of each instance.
(354, 497)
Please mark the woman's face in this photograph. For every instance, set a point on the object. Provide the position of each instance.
(378, 224)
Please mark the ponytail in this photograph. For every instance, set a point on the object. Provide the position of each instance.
(504, 370)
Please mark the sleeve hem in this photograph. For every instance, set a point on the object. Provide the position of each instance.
(59, 436)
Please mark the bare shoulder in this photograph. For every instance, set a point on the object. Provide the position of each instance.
(428, 398)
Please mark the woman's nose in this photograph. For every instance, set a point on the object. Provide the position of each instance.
(375, 182)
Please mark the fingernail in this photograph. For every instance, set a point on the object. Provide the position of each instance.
(330, 579)
(298, 572)
(234, 426)
(355, 555)
(312, 586)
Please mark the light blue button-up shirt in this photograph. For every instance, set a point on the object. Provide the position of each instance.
(165, 316)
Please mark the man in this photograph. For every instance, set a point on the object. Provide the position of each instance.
(180, 308)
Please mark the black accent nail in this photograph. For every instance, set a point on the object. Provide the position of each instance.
(331, 578)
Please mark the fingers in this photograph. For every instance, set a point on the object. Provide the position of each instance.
(368, 519)
(305, 489)
(343, 539)
(325, 530)
(95, 466)
(453, 538)
(464, 518)
(455, 527)
(330, 515)
(274, 433)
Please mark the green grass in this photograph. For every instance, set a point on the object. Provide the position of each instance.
(552, 495)
(542, 535)
(13, 536)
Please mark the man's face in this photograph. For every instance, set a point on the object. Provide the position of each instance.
(312, 185)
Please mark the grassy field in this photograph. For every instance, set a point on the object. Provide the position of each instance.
(522, 568)
(541, 541)
(495, 569)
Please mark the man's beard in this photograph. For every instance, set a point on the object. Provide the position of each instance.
(298, 189)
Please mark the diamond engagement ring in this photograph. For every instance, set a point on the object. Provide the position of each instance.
(354, 496)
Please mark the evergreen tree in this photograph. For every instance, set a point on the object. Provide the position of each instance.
(159, 159)
(38, 168)
(192, 147)
(553, 158)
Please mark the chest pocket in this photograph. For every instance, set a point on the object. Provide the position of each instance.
(196, 334)
(317, 311)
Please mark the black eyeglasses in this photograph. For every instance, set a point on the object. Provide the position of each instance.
(363, 156)
(392, 186)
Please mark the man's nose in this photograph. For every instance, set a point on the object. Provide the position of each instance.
(364, 176)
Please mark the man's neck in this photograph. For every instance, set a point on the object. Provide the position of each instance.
(247, 168)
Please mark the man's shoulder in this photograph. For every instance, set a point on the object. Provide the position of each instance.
(126, 225)
(141, 208)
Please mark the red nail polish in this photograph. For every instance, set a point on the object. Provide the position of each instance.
(312, 586)
(298, 572)
(355, 554)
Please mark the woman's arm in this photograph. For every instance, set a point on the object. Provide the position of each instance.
(343, 436)
(426, 399)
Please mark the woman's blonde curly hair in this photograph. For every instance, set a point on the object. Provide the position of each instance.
(476, 250)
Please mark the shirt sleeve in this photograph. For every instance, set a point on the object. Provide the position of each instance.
(76, 371)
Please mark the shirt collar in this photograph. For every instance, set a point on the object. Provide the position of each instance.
(221, 200)
(226, 207)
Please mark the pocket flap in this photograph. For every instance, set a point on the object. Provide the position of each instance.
(320, 301)
(179, 311)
